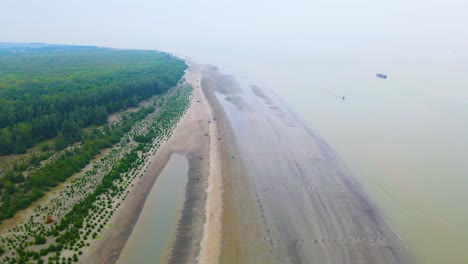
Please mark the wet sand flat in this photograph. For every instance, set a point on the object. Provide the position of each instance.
(306, 206)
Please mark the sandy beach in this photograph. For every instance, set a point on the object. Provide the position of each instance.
(262, 187)
(196, 138)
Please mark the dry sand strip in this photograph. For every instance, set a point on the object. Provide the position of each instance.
(187, 139)
(211, 242)
(288, 198)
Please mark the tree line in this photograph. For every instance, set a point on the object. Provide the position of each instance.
(44, 95)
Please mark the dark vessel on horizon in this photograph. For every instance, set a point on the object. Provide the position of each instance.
(381, 75)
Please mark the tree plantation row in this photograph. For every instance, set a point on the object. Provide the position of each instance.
(63, 228)
(19, 192)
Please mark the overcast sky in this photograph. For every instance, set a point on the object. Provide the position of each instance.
(183, 26)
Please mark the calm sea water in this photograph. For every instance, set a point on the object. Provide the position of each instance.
(406, 137)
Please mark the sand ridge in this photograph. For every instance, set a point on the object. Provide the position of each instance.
(211, 242)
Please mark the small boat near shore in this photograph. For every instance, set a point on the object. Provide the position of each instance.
(381, 75)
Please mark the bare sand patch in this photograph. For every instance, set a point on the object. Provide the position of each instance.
(212, 230)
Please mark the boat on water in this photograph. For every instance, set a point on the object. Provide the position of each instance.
(381, 75)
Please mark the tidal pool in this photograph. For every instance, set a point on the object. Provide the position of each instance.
(155, 229)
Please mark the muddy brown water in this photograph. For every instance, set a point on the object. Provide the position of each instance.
(405, 138)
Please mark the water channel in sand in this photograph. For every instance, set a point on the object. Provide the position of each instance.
(154, 231)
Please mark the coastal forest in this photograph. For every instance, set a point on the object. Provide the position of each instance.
(59, 98)
(56, 91)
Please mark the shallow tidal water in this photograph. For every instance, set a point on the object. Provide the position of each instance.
(405, 138)
(154, 231)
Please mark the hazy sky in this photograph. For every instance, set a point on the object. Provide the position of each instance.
(186, 26)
